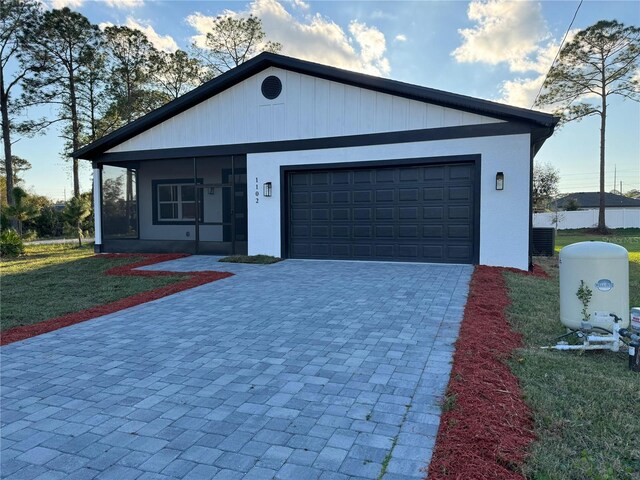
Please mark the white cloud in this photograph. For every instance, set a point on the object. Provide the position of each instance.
(521, 92)
(401, 38)
(59, 4)
(380, 15)
(202, 24)
(300, 4)
(166, 43)
(372, 47)
(506, 31)
(124, 4)
(315, 38)
(512, 33)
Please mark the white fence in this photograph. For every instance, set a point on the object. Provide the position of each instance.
(614, 218)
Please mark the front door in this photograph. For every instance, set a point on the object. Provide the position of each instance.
(221, 227)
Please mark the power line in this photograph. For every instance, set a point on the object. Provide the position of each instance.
(557, 53)
(626, 178)
(594, 181)
(627, 172)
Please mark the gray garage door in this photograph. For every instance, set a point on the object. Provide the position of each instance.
(419, 213)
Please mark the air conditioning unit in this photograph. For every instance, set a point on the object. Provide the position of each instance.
(544, 241)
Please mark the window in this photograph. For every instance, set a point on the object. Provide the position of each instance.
(119, 202)
(176, 202)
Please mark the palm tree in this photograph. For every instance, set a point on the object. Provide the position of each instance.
(22, 209)
(75, 211)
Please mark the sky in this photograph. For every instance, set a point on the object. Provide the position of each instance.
(497, 50)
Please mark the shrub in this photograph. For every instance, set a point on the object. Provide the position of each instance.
(87, 224)
(10, 243)
(572, 205)
(23, 208)
(48, 223)
(76, 211)
(29, 235)
(5, 222)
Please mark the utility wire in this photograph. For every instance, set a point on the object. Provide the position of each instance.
(597, 173)
(557, 53)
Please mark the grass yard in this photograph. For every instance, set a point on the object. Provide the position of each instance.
(255, 259)
(53, 280)
(585, 405)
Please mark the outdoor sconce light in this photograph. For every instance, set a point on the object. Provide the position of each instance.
(499, 181)
(266, 189)
(212, 190)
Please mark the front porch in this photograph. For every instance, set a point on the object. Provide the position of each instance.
(191, 205)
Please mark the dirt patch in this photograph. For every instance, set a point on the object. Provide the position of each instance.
(194, 279)
(486, 428)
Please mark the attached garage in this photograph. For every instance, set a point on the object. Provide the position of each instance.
(285, 157)
(413, 212)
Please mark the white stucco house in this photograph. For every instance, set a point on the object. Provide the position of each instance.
(285, 157)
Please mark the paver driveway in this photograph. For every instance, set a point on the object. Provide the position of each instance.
(299, 370)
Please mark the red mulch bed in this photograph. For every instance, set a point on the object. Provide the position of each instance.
(486, 433)
(194, 279)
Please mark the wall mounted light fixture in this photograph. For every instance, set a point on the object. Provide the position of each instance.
(212, 190)
(266, 189)
(499, 181)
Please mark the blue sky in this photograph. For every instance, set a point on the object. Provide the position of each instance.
(497, 50)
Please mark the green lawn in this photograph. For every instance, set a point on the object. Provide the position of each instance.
(52, 280)
(585, 405)
(257, 259)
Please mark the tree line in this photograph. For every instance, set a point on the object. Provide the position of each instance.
(98, 80)
(94, 80)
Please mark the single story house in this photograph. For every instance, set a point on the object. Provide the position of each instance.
(591, 200)
(290, 158)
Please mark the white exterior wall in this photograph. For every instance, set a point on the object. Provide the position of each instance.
(504, 215)
(308, 107)
(614, 217)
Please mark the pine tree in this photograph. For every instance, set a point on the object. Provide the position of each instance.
(601, 61)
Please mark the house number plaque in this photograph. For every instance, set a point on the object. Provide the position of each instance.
(257, 191)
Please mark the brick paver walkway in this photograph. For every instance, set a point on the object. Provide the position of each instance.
(299, 370)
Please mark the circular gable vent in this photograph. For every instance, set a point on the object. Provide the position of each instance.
(271, 87)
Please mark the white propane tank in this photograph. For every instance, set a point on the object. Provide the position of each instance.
(604, 268)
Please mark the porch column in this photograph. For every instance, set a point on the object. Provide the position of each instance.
(97, 206)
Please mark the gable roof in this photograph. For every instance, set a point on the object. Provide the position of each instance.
(592, 200)
(538, 120)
